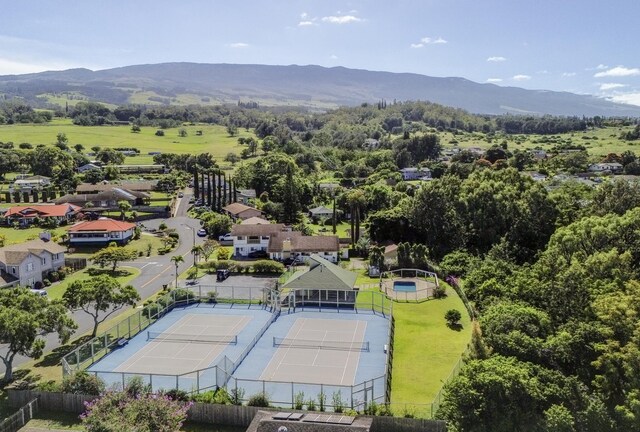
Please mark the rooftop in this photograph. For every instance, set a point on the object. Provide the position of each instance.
(300, 243)
(102, 224)
(256, 230)
(322, 274)
(237, 208)
(43, 210)
(15, 254)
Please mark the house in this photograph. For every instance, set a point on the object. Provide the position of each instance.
(415, 173)
(391, 252)
(293, 244)
(142, 169)
(255, 221)
(26, 214)
(322, 275)
(241, 211)
(28, 263)
(272, 421)
(108, 198)
(134, 185)
(321, 212)
(250, 238)
(612, 167)
(88, 167)
(538, 154)
(30, 183)
(102, 231)
(371, 144)
(245, 195)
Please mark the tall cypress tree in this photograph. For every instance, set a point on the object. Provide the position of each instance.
(290, 203)
(225, 189)
(202, 191)
(196, 185)
(219, 191)
(209, 188)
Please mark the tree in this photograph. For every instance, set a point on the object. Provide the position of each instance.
(452, 317)
(78, 148)
(196, 251)
(9, 161)
(61, 139)
(356, 200)
(176, 260)
(135, 128)
(232, 158)
(376, 257)
(232, 129)
(113, 255)
(208, 248)
(98, 295)
(216, 224)
(182, 133)
(24, 318)
(93, 176)
(124, 207)
(110, 156)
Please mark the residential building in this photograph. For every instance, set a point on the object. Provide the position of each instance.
(538, 154)
(250, 238)
(322, 275)
(255, 221)
(134, 185)
(321, 212)
(25, 215)
(108, 198)
(88, 167)
(244, 196)
(101, 232)
(612, 167)
(415, 173)
(30, 183)
(293, 244)
(28, 263)
(241, 211)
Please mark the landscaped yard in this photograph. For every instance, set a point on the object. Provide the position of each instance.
(124, 276)
(13, 236)
(425, 351)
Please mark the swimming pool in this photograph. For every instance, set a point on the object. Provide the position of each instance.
(404, 286)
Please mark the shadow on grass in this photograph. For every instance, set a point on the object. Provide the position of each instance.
(92, 271)
(455, 327)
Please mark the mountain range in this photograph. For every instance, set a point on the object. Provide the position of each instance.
(313, 87)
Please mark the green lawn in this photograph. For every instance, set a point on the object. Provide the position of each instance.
(124, 276)
(342, 229)
(214, 138)
(48, 420)
(13, 236)
(425, 351)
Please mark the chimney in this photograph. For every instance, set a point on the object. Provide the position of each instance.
(286, 246)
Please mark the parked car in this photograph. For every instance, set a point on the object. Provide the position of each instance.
(292, 261)
(226, 237)
(180, 194)
(258, 254)
(202, 232)
(222, 274)
(198, 203)
(39, 292)
(192, 200)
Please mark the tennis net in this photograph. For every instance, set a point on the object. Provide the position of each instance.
(320, 344)
(193, 338)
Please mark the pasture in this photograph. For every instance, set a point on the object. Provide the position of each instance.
(214, 138)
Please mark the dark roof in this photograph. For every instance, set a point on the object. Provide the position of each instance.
(113, 194)
(256, 230)
(238, 208)
(16, 253)
(307, 244)
(145, 185)
(264, 421)
(322, 274)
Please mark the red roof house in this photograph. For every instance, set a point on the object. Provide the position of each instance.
(101, 231)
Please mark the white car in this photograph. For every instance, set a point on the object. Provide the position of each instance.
(39, 292)
(202, 232)
(226, 237)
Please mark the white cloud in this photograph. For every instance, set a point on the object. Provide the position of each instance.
(628, 98)
(618, 71)
(521, 77)
(304, 15)
(341, 19)
(15, 67)
(428, 41)
(611, 86)
(239, 45)
(568, 74)
(496, 59)
(333, 57)
(601, 66)
(494, 80)
(305, 23)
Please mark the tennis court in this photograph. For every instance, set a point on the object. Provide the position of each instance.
(320, 351)
(190, 344)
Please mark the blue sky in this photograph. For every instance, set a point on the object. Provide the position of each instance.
(583, 46)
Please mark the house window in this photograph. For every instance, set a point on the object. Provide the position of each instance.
(240, 238)
(13, 270)
(30, 266)
(44, 261)
(114, 235)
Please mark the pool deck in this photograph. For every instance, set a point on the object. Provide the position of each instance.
(423, 289)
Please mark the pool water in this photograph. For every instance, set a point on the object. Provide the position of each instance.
(404, 286)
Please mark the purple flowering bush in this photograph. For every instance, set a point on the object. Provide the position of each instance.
(144, 412)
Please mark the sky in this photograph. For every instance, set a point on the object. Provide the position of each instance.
(579, 46)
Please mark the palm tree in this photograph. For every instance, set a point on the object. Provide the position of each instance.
(197, 252)
(357, 201)
(124, 207)
(177, 259)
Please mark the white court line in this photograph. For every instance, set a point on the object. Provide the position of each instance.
(319, 348)
(349, 354)
(238, 322)
(284, 354)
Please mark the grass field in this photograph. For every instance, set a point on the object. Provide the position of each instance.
(598, 142)
(14, 236)
(425, 351)
(57, 290)
(214, 139)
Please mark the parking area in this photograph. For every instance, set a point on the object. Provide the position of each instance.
(235, 286)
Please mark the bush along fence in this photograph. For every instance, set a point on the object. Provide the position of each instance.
(214, 414)
(16, 421)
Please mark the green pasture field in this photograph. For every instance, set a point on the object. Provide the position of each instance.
(214, 138)
(598, 142)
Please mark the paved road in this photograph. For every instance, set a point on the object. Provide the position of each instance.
(155, 271)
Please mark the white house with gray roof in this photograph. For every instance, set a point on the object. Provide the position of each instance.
(27, 264)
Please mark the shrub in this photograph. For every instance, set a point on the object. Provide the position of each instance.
(182, 294)
(223, 254)
(338, 404)
(46, 282)
(54, 276)
(439, 292)
(322, 398)
(311, 405)
(159, 132)
(83, 383)
(150, 310)
(268, 266)
(385, 411)
(220, 396)
(174, 235)
(177, 395)
(453, 317)
(371, 408)
(48, 386)
(212, 297)
(259, 400)
(298, 400)
(237, 394)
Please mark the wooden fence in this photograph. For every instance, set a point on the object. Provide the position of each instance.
(231, 415)
(16, 421)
